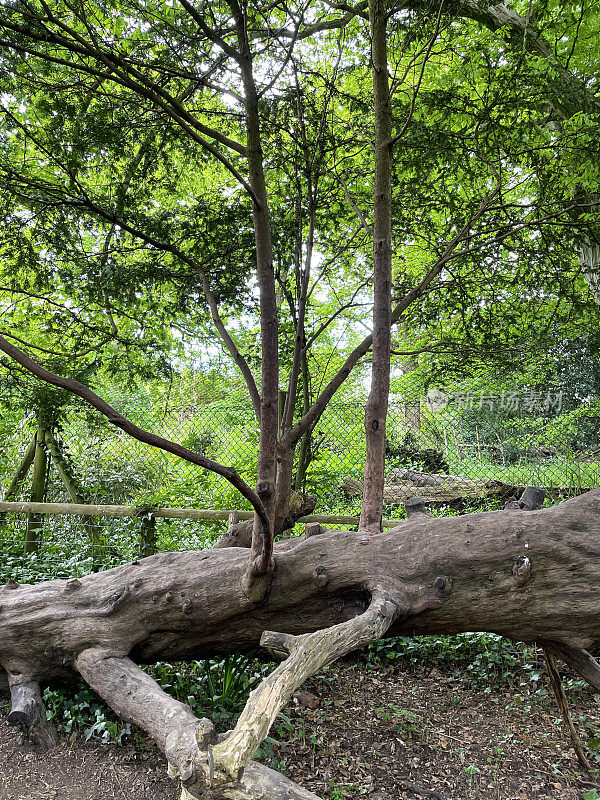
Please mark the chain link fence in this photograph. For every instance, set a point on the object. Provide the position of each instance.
(459, 452)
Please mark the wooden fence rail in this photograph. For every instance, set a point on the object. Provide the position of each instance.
(210, 515)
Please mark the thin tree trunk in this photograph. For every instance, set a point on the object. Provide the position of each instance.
(304, 450)
(377, 404)
(261, 553)
(563, 706)
(35, 522)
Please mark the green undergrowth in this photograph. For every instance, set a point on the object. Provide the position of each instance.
(218, 688)
(479, 659)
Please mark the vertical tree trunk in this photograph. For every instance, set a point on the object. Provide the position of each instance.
(304, 450)
(376, 411)
(261, 552)
(283, 490)
(35, 522)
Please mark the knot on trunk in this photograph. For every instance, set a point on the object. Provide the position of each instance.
(522, 570)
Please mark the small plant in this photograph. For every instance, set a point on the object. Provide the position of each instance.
(84, 712)
(219, 685)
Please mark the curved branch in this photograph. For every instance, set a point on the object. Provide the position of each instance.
(305, 655)
(126, 425)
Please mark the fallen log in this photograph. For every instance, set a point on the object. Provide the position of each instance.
(530, 575)
(402, 485)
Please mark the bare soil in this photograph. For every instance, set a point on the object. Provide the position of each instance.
(383, 733)
(79, 770)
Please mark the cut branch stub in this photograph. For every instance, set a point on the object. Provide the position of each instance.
(415, 505)
(532, 498)
(29, 714)
(307, 654)
(312, 529)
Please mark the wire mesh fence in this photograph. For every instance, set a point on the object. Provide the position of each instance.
(459, 452)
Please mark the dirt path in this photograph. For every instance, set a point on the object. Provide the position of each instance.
(384, 734)
(81, 771)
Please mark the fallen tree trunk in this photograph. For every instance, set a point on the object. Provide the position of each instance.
(530, 575)
(402, 485)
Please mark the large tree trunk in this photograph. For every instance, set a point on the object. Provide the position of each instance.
(531, 575)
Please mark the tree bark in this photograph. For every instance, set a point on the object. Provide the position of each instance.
(239, 534)
(260, 565)
(530, 575)
(435, 575)
(377, 404)
(28, 713)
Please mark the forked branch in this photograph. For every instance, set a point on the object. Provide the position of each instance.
(216, 767)
(306, 654)
(184, 739)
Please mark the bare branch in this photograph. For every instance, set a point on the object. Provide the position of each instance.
(306, 654)
(114, 416)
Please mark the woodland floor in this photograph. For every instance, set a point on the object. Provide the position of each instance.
(378, 731)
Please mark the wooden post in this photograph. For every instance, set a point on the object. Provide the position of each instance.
(148, 536)
(35, 522)
(21, 472)
(458, 453)
(19, 475)
(71, 484)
